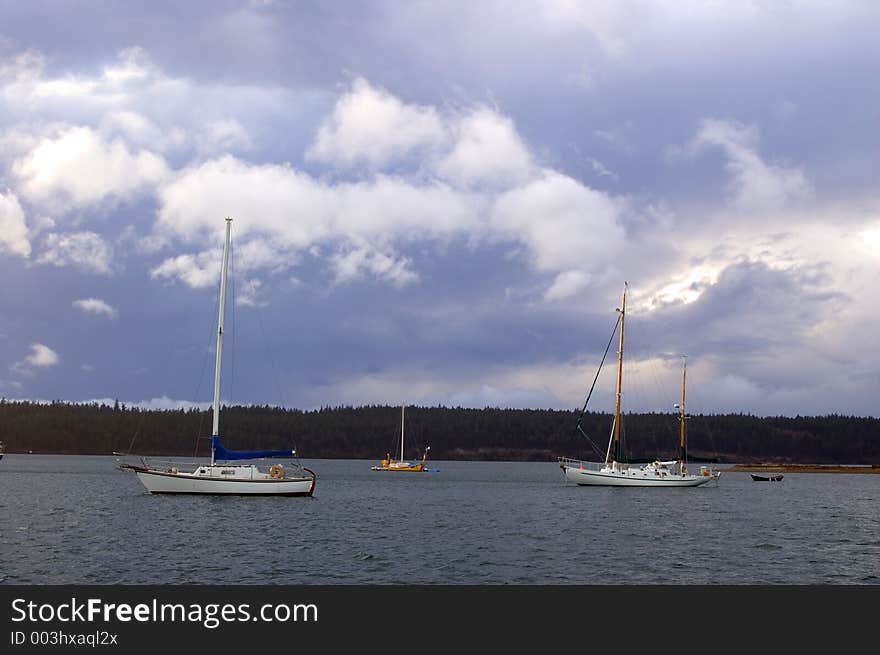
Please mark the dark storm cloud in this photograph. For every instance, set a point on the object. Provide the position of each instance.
(751, 310)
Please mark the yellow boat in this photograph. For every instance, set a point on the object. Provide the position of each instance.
(391, 464)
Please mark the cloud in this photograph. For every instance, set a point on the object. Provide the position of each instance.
(260, 254)
(77, 168)
(566, 285)
(280, 212)
(226, 135)
(469, 185)
(449, 168)
(744, 335)
(269, 199)
(489, 187)
(80, 140)
(24, 66)
(41, 357)
(138, 130)
(468, 148)
(600, 169)
(13, 230)
(870, 237)
(566, 225)
(488, 396)
(248, 294)
(86, 251)
(538, 384)
(160, 403)
(487, 151)
(164, 402)
(754, 184)
(604, 22)
(369, 125)
(198, 271)
(353, 263)
(95, 306)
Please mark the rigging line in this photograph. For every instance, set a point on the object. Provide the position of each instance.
(137, 430)
(134, 436)
(591, 442)
(593, 386)
(599, 370)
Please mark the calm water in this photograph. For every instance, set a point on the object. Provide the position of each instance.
(75, 519)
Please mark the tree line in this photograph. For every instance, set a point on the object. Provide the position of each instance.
(453, 433)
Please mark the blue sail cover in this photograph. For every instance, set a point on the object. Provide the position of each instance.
(221, 453)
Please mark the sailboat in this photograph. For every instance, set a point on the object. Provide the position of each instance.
(227, 479)
(615, 473)
(401, 465)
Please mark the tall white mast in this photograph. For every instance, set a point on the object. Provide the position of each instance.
(215, 432)
(682, 454)
(616, 452)
(401, 431)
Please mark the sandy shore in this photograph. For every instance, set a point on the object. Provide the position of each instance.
(805, 468)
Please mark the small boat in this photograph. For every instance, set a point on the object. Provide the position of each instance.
(401, 465)
(227, 479)
(776, 477)
(2, 449)
(614, 472)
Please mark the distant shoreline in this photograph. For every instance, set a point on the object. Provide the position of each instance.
(733, 468)
(459, 434)
(805, 468)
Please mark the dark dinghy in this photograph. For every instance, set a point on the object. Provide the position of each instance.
(767, 478)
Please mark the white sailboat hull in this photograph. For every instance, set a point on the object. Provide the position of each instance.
(630, 478)
(160, 482)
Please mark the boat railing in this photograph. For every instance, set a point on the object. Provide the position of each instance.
(160, 464)
(173, 465)
(568, 462)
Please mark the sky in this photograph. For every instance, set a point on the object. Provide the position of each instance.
(439, 203)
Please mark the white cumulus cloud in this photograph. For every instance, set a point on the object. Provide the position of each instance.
(224, 135)
(369, 125)
(95, 306)
(754, 184)
(487, 150)
(41, 356)
(198, 270)
(567, 284)
(13, 230)
(86, 251)
(566, 225)
(77, 167)
(353, 263)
